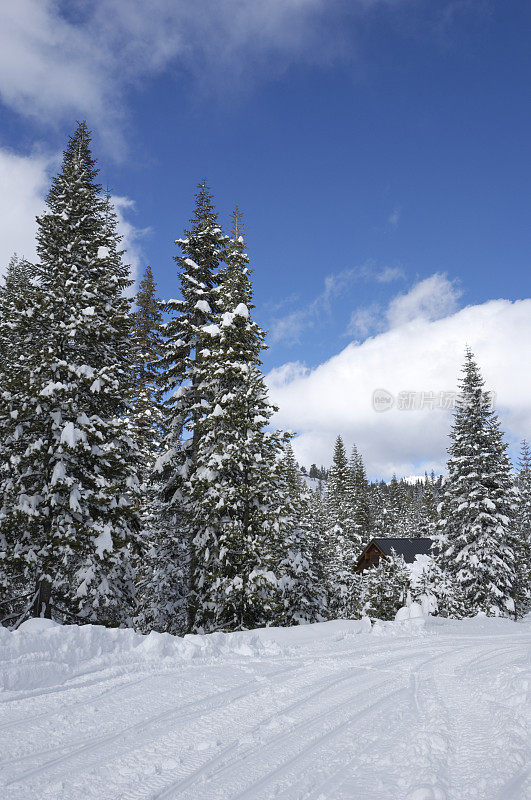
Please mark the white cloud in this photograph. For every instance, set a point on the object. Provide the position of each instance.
(419, 355)
(365, 320)
(25, 181)
(430, 299)
(131, 235)
(389, 274)
(57, 59)
(289, 327)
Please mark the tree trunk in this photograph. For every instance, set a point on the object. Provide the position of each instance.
(41, 605)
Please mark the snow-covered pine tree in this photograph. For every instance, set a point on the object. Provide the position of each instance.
(235, 497)
(318, 543)
(523, 521)
(14, 290)
(16, 334)
(384, 588)
(160, 564)
(448, 594)
(341, 534)
(427, 512)
(358, 493)
(71, 483)
(378, 509)
(148, 350)
(477, 525)
(303, 597)
(188, 335)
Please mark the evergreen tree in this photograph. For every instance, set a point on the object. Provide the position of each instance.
(16, 334)
(148, 350)
(161, 562)
(384, 588)
(319, 547)
(378, 509)
(302, 597)
(523, 523)
(69, 488)
(427, 517)
(358, 491)
(342, 536)
(228, 484)
(15, 288)
(477, 527)
(188, 338)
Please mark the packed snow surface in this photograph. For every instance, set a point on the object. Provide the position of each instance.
(338, 710)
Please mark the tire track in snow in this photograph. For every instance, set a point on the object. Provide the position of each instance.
(280, 738)
(338, 773)
(179, 713)
(250, 792)
(219, 766)
(347, 675)
(286, 736)
(29, 720)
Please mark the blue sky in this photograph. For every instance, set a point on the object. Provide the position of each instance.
(375, 146)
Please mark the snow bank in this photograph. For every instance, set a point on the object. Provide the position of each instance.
(42, 653)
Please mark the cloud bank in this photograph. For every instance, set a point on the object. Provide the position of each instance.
(418, 354)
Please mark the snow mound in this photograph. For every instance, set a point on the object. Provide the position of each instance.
(38, 625)
(413, 611)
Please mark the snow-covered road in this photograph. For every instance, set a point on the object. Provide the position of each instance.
(322, 712)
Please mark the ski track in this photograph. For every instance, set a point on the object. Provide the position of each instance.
(400, 714)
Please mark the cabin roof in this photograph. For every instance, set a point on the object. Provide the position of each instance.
(408, 548)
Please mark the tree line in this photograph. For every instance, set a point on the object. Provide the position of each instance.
(141, 482)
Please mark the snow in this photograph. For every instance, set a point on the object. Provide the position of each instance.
(412, 612)
(103, 252)
(418, 568)
(104, 542)
(69, 435)
(58, 474)
(210, 330)
(202, 305)
(316, 484)
(332, 711)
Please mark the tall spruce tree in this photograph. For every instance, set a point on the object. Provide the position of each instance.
(477, 526)
(188, 336)
(342, 537)
(234, 499)
(15, 287)
(358, 493)
(71, 481)
(148, 350)
(161, 560)
(16, 327)
(427, 516)
(523, 521)
(303, 597)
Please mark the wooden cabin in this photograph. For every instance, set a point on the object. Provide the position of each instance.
(382, 548)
